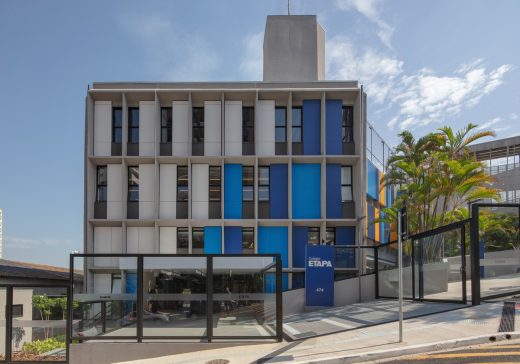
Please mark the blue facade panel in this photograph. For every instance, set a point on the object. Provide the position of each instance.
(311, 127)
(278, 191)
(299, 242)
(212, 240)
(232, 191)
(233, 240)
(306, 191)
(372, 181)
(345, 235)
(334, 191)
(333, 116)
(274, 240)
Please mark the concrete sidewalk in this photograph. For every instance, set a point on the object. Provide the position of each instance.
(466, 326)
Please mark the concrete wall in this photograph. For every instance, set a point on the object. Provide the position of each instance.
(167, 191)
(212, 128)
(233, 128)
(200, 191)
(102, 128)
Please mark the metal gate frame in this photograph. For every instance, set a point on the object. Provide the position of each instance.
(475, 250)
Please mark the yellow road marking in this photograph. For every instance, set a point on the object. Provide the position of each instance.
(466, 355)
(500, 347)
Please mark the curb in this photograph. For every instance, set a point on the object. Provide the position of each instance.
(415, 349)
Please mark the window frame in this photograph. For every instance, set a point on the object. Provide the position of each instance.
(166, 127)
(198, 230)
(248, 124)
(266, 185)
(183, 183)
(199, 126)
(247, 231)
(313, 229)
(347, 124)
(300, 127)
(284, 126)
(131, 125)
(101, 184)
(249, 184)
(117, 129)
(345, 185)
(133, 187)
(182, 230)
(330, 230)
(214, 186)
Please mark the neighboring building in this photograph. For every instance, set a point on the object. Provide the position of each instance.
(23, 273)
(229, 167)
(502, 158)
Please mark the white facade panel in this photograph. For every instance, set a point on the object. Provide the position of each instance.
(107, 240)
(265, 128)
(180, 128)
(103, 128)
(146, 191)
(115, 191)
(147, 128)
(167, 191)
(140, 240)
(199, 191)
(233, 128)
(102, 283)
(168, 240)
(212, 128)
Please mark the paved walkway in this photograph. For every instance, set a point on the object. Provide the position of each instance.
(434, 330)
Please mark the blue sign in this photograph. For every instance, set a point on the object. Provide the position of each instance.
(319, 275)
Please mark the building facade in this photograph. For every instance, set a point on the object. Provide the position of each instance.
(229, 167)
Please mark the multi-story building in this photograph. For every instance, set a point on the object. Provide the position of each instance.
(502, 159)
(230, 167)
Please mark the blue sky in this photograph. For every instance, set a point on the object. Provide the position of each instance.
(423, 64)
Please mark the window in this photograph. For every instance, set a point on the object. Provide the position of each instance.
(248, 177)
(248, 240)
(133, 125)
(330, 235)
(263, 183)
(280, 122)
(248, 124)
(198, 125)
(215, 184)
(314, 235)
(197, 238)
(116, 283)
(133, 184)
(17, 310)
(182, 183)
(348, 124)
(182, 239)
(101, 191)
(117, 125)
(346, 183)
(166, 124)
(297, 125)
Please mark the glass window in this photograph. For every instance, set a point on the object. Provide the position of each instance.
(248, 240)
(297, 124)
(263, 183)
(248, 175)
(133, 184)
(348, 124)
(182, 183)
(314, 235)
(166, 124)
(346, 184)
(117, 125)
(198, 125)
(280, 124)
(101, 194)
(198, 238)
(182, 238)
(133, 125)
(248, 124)
(215, 184)
(330, 235)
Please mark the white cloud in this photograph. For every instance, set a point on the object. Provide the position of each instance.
(172, 55)
(513, 116)
(377, 71)
(252, 62)
(490, 123)
(368, 8)
(418, 98)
